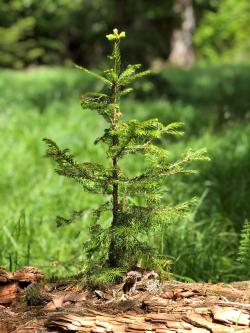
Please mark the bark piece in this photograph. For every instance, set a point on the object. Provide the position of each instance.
(231, 316)
(108, 326)
(118, 328)
(24, 275)
(101, 295)
(184, 294)
(4, 276)
(28, 274)
(139, 327)
(201, 322)
(75, 297)
(69, 321)
(55, 304)
(98, 330)
(3, 328)
(9, 293)
(167, 294)
(198, 330)
(161, 317)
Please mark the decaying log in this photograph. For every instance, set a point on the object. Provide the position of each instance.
(11, 284)
(26, 274)
(208, 320)
(179, 308)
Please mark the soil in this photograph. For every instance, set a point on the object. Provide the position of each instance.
(27, 304)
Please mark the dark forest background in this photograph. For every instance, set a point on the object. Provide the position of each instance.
(54, 32)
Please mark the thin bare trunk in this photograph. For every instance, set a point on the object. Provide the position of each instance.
(182, 46)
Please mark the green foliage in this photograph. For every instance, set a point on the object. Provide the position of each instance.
(221, 92)
(98, 277)
(25, 31)
(16, 44)
(62, 30)
(136, 202)
(202, 248)
(53, 32)
(244, 248)
(37, 88)
(33, 295)
(223, 33)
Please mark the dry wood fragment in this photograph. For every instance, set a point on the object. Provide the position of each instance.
(201, 322)
(139, 327)
(238, 305)
(119, 328)
(108, 326)
(3, 328)
(163, 330)
(161, 317)
(202, 310)
(198, 330)
(69, 321)
(101, 295)
(176, 325)
(8, 293)
(231, 316)
(184, 294)
(75, 297)
(4, 276)
(56, 303)
(28, 274)
(167, 294)
(98, 330)
(11, 283)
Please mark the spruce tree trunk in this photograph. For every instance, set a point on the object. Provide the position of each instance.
(114, 254)
(182, 53)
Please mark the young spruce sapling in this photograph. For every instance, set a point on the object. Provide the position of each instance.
(135, 202)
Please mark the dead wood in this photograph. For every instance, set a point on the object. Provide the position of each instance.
(174, 307)
(231, 316)
(11, 284)
(28, 275)
(24, 275)
(8, 293)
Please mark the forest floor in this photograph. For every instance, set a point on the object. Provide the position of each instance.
(28, 304)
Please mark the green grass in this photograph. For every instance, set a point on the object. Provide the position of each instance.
(44, 103)
(205, 246)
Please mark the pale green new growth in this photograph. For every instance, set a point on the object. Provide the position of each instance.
(135, 202)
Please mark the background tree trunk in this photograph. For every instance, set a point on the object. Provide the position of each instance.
(182, 47)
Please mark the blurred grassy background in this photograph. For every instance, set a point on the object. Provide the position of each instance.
(211, 97)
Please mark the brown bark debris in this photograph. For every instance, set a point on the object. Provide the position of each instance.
(174, 307)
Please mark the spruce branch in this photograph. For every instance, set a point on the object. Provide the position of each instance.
(97, 76)
(61, 221)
